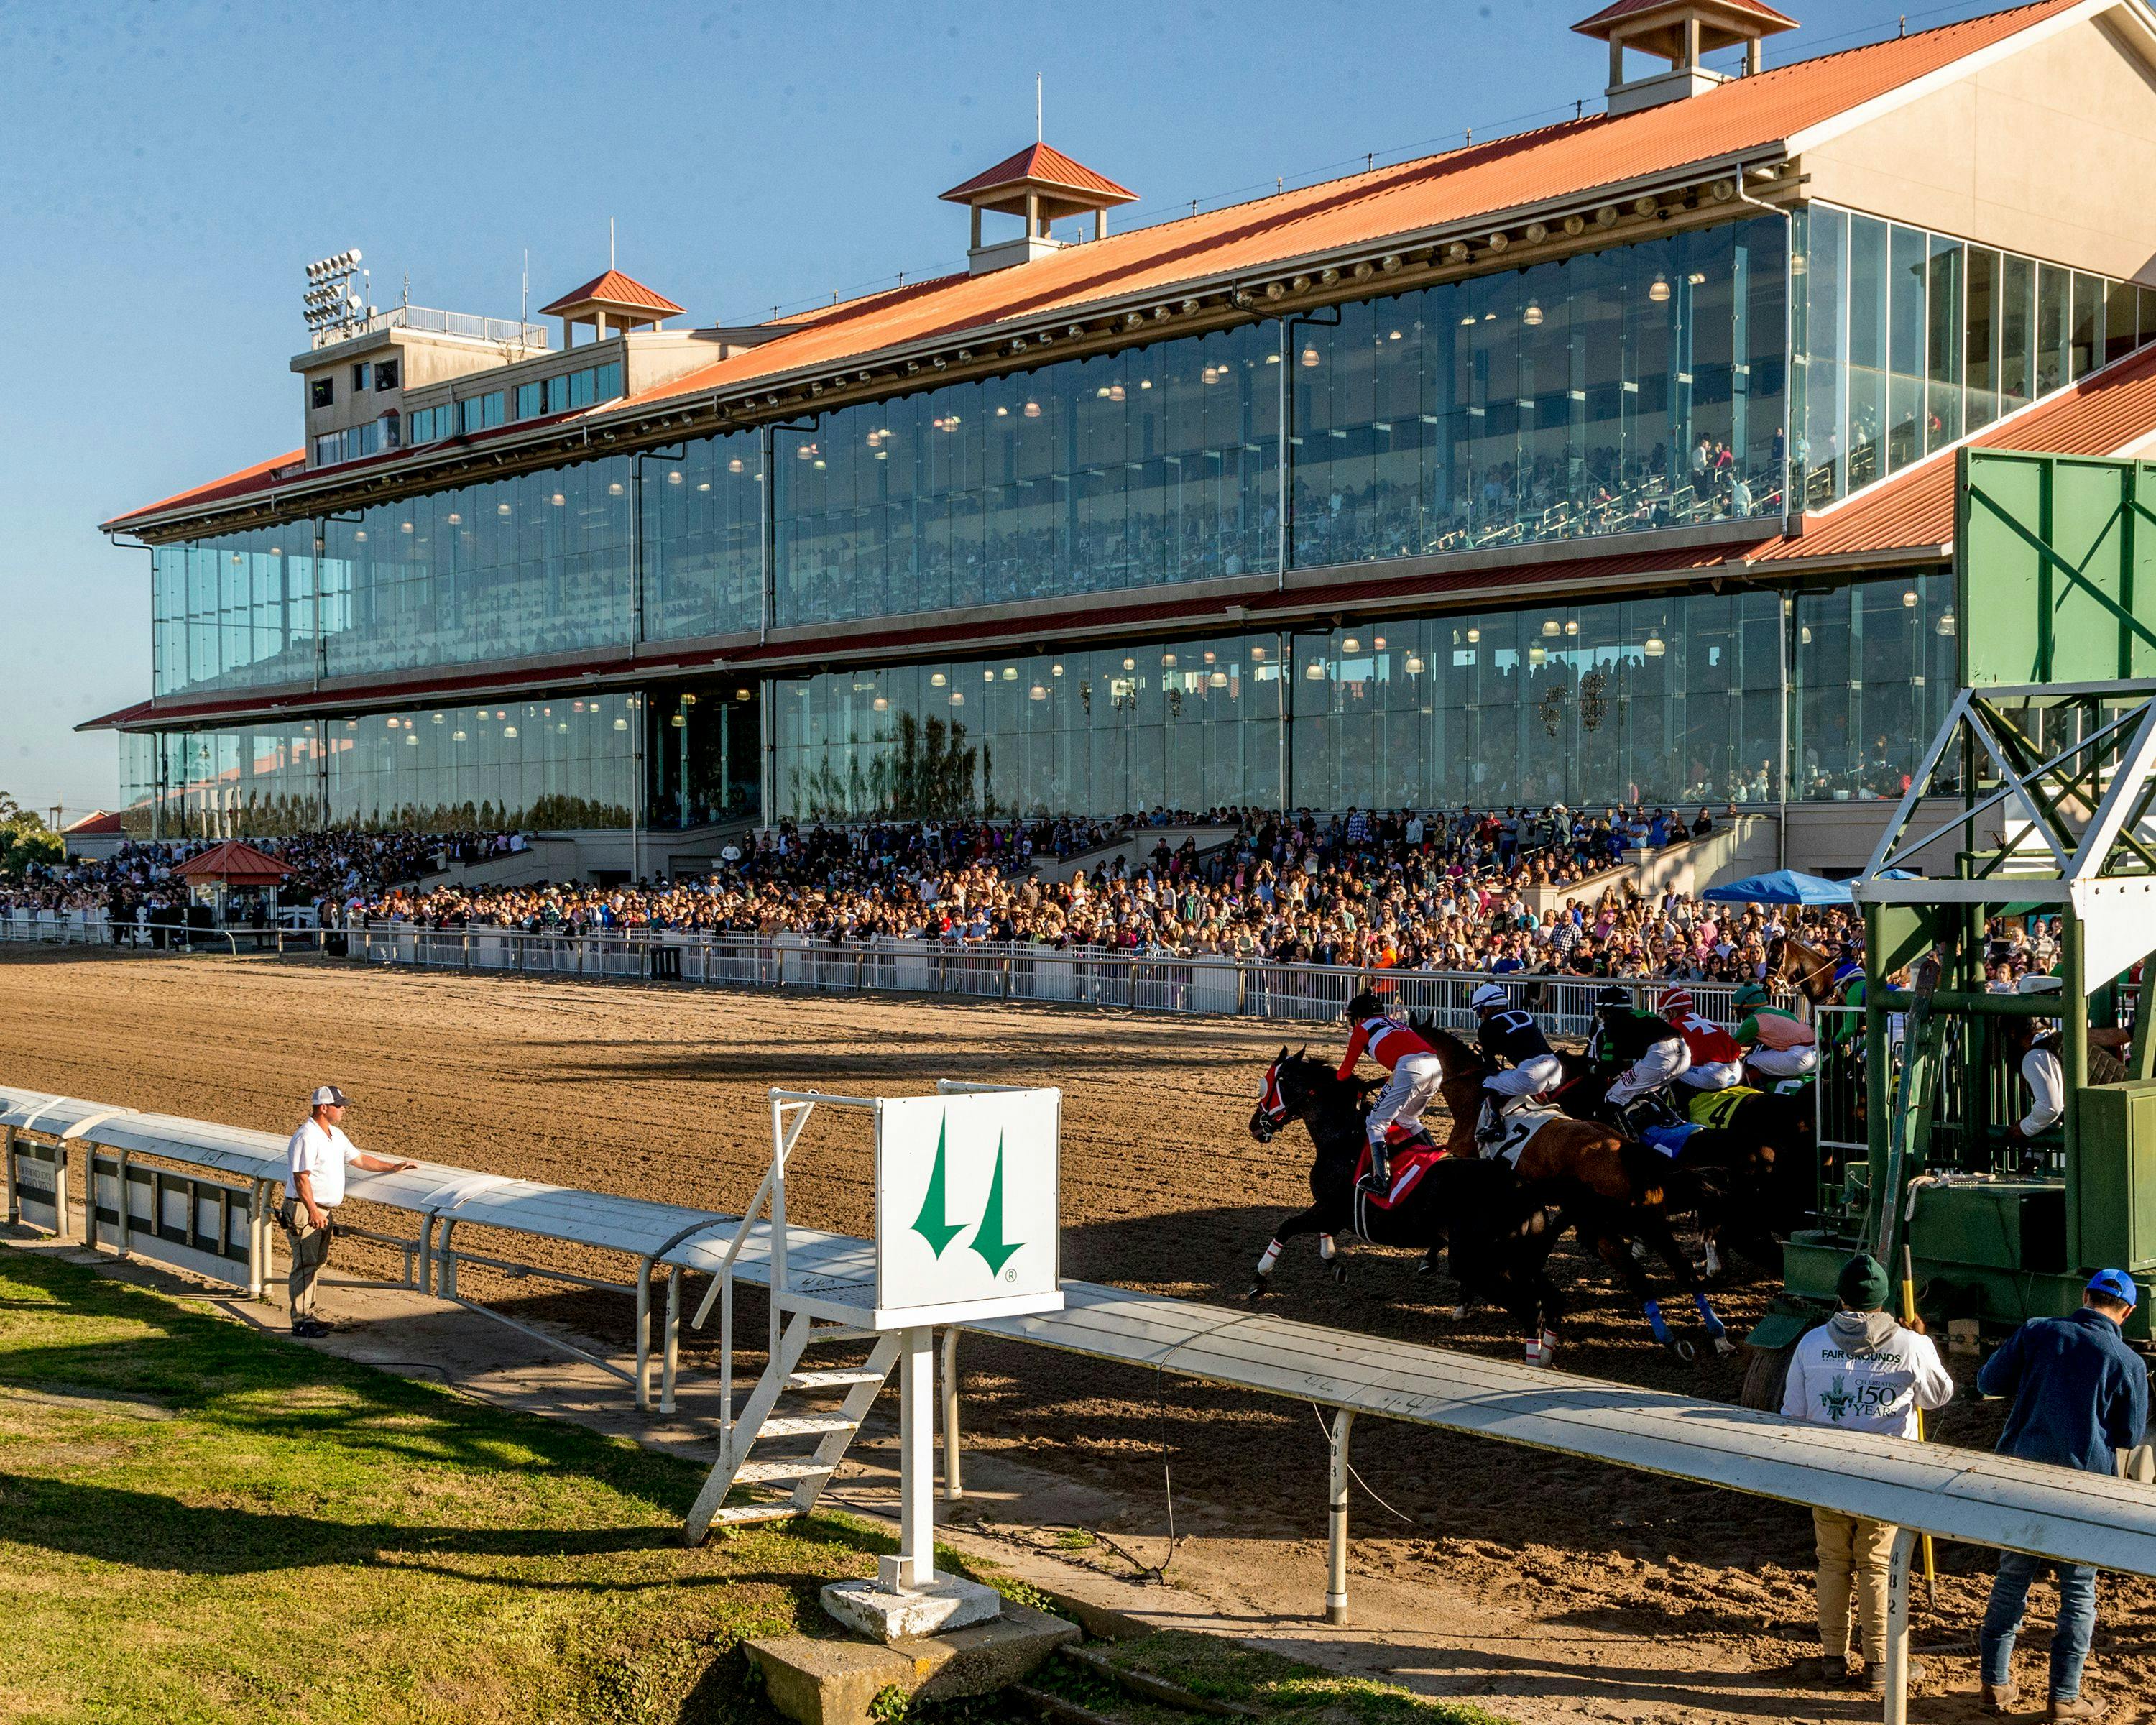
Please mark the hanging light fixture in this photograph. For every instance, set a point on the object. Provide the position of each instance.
(937, 679)
(1056, 670)
(673, 475)
(881, 704)
(1315, 674)
(1167, 659)
(1537, 655)
(1473, 636)
(1351, 645)
(1572, 625)
(619, 725)
(1038, 692)
(1804, 636)
(1946, 623)
(456, 737)
(1010, 673)
(1033, 410)
(1660, 292)
(1909, 599)
(1533, 315)
(411, 737)
(1654, 647)
(988, 673)
(1218, 680)
(1550, 626)
(511, 730)
(1309, 355)
(1380, 644)
(1257, 653)
(957, 697)
(679, 722)
(502, 509)
(1130, 665)
(1415, 665)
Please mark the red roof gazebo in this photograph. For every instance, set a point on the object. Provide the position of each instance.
(234, 863)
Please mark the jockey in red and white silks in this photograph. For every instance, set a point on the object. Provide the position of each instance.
(1718, 1062)
(1416, 1075)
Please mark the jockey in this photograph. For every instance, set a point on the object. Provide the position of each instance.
(1650, 1051)
(1776, 1044)
(1522, 1064)
(1716, 1061)
(1416, 1075)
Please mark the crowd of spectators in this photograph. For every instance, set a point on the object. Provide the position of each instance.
(334, 867)
(1477, 889)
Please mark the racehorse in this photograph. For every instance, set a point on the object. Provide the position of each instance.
(1501, 1233)
(1804, 968)
(1615, 1189)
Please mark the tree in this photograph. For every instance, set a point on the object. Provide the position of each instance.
(24, 838)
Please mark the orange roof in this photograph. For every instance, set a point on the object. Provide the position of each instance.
(613, 289)
(1041, 165)
(2106, 412)
(1745, 116)
(100, 825)
(235, 863)
(259, 477)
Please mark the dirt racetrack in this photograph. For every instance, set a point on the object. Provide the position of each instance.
(660, 1093)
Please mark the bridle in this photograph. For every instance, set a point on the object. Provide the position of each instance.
(1274, 1109)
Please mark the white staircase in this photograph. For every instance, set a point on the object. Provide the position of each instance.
(788, 1481)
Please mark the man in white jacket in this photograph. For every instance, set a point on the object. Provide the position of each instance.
(1861, 1371)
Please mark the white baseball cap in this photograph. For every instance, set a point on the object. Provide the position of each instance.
(328, 1095)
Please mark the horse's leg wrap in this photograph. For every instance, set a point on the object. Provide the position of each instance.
(1715, 1327)
(1656, 1322)
(1269, 1257)
(1326, 1248)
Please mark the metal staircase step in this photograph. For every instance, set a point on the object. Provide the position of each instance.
(832, 1379)
(783, 1425)
(736, 1515)
(757, 1473)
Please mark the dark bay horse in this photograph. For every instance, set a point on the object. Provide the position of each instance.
(1804, 968)
(1500, 1232)
(1615, 1188)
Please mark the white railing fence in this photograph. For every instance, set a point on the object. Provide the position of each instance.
(1222, 986)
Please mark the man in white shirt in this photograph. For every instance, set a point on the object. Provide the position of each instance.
(315, 1159)
(1861, 1371)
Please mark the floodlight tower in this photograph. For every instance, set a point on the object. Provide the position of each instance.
(332, 306)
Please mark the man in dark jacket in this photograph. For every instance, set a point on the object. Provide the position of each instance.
(2079, 1392)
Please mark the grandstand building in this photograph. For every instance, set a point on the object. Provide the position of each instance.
(1611, 460)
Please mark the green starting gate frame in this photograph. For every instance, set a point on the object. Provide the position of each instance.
(2049, 748)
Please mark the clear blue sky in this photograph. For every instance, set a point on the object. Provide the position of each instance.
(166, 171)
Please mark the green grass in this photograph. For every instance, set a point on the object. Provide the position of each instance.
(199, 1523)
(202, 1522)
(1272, 1687)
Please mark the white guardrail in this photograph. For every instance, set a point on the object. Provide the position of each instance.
(1227, 987)
(195, 1194)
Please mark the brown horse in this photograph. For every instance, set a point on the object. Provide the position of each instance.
(1793, 964)
(1615, 1189)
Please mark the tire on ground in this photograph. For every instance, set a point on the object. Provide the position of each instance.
(1764, 1376)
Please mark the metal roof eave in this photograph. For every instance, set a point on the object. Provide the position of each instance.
(743, 395)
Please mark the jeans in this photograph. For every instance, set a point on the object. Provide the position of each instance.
(2070, 1640)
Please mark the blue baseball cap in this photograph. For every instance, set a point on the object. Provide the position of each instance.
(2115, 1285)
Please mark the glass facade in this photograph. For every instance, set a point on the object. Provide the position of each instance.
(1156, 464)
(1639, 386)
(556, 764)
(1905, 341)
(1665, 701)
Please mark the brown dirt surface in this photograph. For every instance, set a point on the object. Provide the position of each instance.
(660, 1093)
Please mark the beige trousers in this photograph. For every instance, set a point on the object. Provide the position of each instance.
(310, 1249)
(1854, 1555)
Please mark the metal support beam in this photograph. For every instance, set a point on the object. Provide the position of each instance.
(1897, 1711)
(670, 1360)
(1336, 1521)
(954, 1484)
(643, 1335)
(2073, 1052)
(916, 1448)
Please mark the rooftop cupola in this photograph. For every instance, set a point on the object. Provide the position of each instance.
(1679, 32)
(1039, 185)
(611, 304)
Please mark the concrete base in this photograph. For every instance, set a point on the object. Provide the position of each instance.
(824, 1682)
(887, 1614)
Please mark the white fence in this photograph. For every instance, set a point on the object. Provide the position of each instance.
(56, 928)
(999, 971)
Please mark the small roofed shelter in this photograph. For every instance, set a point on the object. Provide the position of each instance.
(1680, 32)
(212, 875)
(1040, 185)
(610, 303)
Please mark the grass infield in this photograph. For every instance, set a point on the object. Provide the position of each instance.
(200, 1522)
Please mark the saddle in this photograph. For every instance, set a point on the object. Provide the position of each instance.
(1409, 1160)
(1714, 1107)
(1520, 1125)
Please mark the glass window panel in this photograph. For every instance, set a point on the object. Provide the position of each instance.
(2121, 320)
(2084, 339)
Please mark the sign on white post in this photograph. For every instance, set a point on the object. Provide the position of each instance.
(967, 1212)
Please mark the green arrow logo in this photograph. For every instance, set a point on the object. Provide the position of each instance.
(933, 1223)
(989, 1240)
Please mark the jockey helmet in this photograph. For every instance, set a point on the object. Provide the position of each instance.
(1488, 998)
(1365, 1005)
(1613, 998)
(1674, 1000)
(1748, 994)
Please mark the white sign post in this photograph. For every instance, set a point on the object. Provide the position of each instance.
(967, 1227)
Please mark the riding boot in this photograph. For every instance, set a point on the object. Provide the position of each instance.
(1379, 1179)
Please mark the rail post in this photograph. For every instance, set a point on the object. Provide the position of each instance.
(258, 1240)
(954, 1484)
(1897, 1628)
(669, 1360)
(643, 1334)
(1336, 1521)
(122, 1233)
(7, 1159)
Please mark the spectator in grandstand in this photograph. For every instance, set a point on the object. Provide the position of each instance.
(1861, 1371)
(316, 1158)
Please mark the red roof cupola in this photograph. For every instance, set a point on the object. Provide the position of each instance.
(1678, 31)
(1042, 185)
(611, 301)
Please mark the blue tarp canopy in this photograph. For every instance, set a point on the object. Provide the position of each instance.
(1783, 886)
